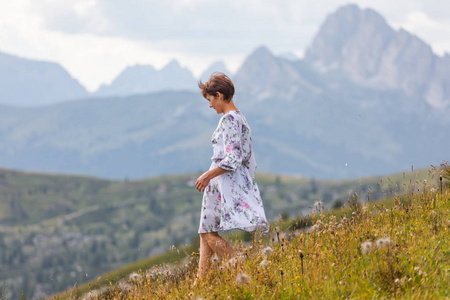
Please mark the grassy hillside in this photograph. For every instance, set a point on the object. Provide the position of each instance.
(57, 231)
(389, 248)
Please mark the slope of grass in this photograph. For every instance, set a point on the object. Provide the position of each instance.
(394, 248)
(55, 229)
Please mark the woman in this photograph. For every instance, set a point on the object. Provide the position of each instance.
(231, 197)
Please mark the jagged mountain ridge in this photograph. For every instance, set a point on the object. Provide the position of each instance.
(356, 43)
(141, 79)
(25, 82)
(362, 46)
(304, 120)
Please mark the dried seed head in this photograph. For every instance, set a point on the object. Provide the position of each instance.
(242, 278)
(264, 263)
(215, 260)
(91, 295)
(134, 277)
(383, 243)
(314, 228)
(366, 247)
(266, 251)
(318, 206)
(240, 256)
(231, 263)
(124, 286)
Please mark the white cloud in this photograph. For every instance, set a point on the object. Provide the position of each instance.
(428, 29)
(95, 39)
(72, 16)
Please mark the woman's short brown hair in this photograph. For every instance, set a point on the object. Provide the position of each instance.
(218, 82)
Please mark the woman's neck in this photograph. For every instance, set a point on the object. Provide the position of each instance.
(229, 107)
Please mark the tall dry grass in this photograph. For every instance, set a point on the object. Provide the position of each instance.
(395, 248)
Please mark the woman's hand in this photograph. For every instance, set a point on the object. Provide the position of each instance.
(202, 182)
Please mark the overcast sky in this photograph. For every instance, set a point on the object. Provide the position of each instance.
(96, 39)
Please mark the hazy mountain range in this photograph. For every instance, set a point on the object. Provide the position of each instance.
(28, 83)
(140, 79)
(366, 99)
(25, 82)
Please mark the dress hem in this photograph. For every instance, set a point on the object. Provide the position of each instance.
(246, 229)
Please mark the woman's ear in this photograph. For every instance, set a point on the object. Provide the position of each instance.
(219, 96)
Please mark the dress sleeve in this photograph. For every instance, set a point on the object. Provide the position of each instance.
(231, 136)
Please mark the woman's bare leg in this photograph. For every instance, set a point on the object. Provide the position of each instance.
(219, 245)
(205, 255)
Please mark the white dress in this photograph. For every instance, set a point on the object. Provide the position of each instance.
(232, 200)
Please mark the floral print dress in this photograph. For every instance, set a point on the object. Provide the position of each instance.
(232, 200)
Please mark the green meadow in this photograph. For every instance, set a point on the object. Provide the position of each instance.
(396, 247)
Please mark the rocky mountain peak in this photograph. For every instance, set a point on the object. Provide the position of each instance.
(264, 75)
(364, 48)
(140, 79)
(25, 82)
(347, 30)
(173, 65)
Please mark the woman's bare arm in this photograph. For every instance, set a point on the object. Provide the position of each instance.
(204, 179)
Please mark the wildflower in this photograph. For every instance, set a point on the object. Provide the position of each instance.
(432, 190)
(398, 281)
(242, 278)
(433, 213)
(166, 273)
(264, 263)
(318, 205)
(134, 277)
(150, 274)
(266, 251)
(383, 243)
(215, 260)
(94, 294)
(231, 263)
(420, 271)
(240, 256)
(124, 286)
(297, 277)
(366, 247)
(344, 220)
(314, 228)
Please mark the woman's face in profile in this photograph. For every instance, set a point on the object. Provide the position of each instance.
(216, 102)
